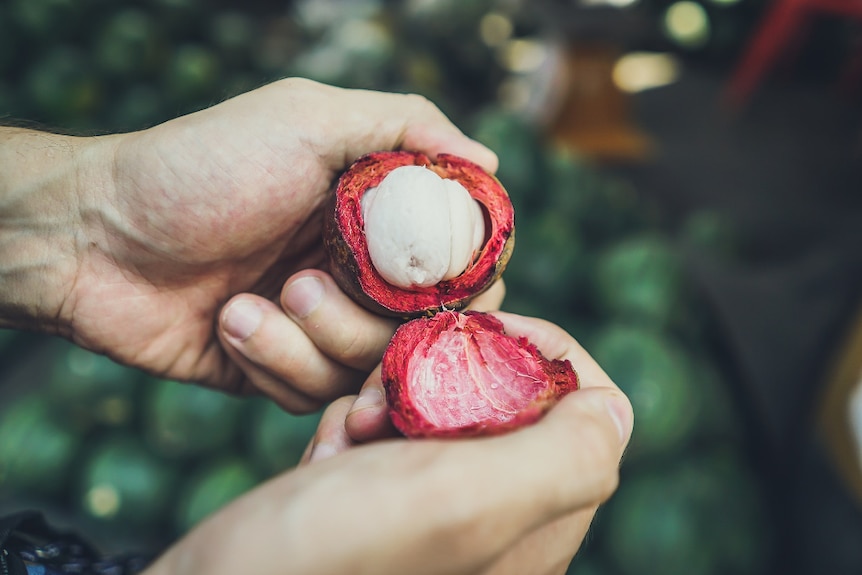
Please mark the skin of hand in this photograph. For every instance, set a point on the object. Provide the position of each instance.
(132, 244)
(379, 504)
(144, 245)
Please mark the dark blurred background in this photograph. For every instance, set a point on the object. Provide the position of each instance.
(686, 176)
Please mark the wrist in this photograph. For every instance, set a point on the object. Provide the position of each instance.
(48, 183)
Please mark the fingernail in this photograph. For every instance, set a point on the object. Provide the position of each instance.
(303, 296)
(241, 319)
(622, 415)
(368, 397)
(321, 451)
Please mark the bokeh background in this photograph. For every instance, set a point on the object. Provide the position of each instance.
(688, 206)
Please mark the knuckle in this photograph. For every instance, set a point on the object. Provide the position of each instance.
(295, 83)
(420, 102)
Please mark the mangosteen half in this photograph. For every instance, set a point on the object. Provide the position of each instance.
(421, 230)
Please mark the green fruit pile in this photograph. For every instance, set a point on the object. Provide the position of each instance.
(135, 457)
(146, 459)
(96, 66)
(599, 259)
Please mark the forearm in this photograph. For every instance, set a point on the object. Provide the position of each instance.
(46, 182)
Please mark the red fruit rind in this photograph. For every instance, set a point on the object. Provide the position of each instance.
(350, 262)
(458, 374)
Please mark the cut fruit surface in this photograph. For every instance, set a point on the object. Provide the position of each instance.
(459, 374)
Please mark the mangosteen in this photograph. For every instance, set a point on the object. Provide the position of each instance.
(412, 238)
(407, 236)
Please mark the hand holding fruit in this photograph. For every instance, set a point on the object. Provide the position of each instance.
(170, 250)
(148, 235)
(512, 504)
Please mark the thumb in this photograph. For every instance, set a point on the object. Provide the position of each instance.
(569, 460)
(369, 121)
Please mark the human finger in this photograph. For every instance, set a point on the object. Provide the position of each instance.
(490, 299)
(542, 481)
(330, 439)
(269, 385)
(344, 331)
(580, 441)
(547, 550)
(437, 506)
(343, 124)
(368, 416)
(277, 356)
(410, 122)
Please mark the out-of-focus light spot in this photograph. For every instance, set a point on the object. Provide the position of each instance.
(640, 71)
(687, 24)
(522, 55)
(495, 29)
(81, 363)
(364, 36)
(102, 501)
(854, 413)
(725, 2)
(514, 93)
(323, 14)
(611, 3)
(114, 410)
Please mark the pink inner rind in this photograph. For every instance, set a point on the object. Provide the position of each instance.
(367, 173)
(459, 374)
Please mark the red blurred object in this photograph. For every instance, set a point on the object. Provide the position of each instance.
(782, 25)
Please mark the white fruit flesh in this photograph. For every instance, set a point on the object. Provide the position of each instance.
(421, 229)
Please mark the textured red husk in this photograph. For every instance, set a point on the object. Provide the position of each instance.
(475, 333)
(350, 262)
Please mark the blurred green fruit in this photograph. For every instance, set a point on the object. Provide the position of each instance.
(123, 484)
(8, 100)
(211, 489)
(702, 515)
(585, 566)
(42, 18)
(654, 373)
(91, 389)
(7, 336)
(613, 210)
(568, 182)
(519, 151)
(183, 420)
(278, 438)
(193, 74)
(36, 451)
(641, 279)
(8, 42)
(548, 262)
(62, 87)
(129, 45)
(356, 53)
(233, 34)
(137, 107)
(711, 232)
(179, 19)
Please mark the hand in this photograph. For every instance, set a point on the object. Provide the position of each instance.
(512, 504)
(175, 220)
